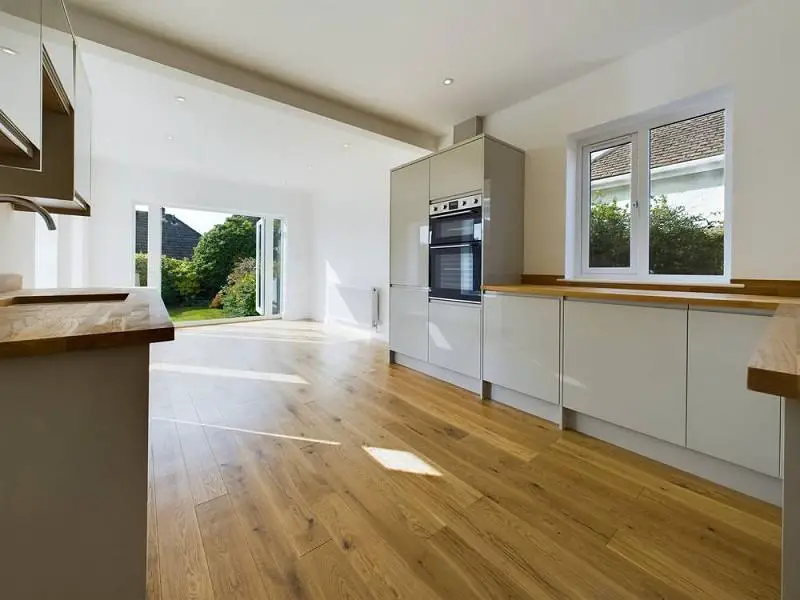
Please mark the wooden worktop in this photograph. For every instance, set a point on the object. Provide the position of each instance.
(711, 299)
(122, 317)
(775, 366)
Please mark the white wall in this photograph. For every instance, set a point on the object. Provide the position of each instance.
(755, 52)
(18, 243)
(351, 249)
(118, 188)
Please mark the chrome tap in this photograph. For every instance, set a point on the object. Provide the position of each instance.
(31, 205)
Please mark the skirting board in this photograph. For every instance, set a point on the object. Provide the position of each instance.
(463, 381)
(527, 404)
(751, 483)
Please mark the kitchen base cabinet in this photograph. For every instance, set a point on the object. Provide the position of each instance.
(408, 321)
(454, 336)
(521, 337)
(724, 418)
(626, 364)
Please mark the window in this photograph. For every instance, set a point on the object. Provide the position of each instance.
(652, 201)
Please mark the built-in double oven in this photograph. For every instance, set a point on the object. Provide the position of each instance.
(456, 234)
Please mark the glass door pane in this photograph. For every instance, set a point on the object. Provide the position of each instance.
(260, 279)
(278, 252)
(610, 207)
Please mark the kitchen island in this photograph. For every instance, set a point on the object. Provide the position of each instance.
(74, 367)
(775, 369)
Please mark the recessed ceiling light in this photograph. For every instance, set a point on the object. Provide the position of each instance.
(170, 138)
(448, 81)
(9, 51)
(346, 146)
(180, 98)
(310, 167)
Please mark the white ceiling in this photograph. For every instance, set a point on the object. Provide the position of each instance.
(221, 132)
(391, 57)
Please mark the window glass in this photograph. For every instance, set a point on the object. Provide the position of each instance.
(687, 196)
(610, 207)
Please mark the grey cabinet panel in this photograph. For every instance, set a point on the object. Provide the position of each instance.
(409, 225)
(408, 322)
(626, 365)
(724, 418)
(454, 337)
(521, 344)
(457, 171)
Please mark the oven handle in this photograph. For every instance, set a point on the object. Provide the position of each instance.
(454, 214)
(464, 245)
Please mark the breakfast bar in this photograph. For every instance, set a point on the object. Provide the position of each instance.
(74, 367)
(775, 369)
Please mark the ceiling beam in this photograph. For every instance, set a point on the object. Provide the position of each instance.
(148, 46)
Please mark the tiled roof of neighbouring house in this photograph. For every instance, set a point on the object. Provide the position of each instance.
(178, 239)
(693, 139)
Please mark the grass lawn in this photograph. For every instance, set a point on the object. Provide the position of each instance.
(195, 313)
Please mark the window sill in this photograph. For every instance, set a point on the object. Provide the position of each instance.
(652, 285)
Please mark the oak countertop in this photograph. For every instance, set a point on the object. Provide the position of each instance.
(775, 366)
(102, 318)
(719, 300)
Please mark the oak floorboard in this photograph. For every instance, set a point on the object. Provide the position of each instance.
(153, 566)
(260, 487)
(233, 572)
(182, 559)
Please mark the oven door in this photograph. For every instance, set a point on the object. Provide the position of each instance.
(455, 272)
(457, 228)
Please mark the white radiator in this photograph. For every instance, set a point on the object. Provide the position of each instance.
(353, 306)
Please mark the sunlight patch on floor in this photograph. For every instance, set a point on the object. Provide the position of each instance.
(400, 460)
(281, 436)
(235, 373)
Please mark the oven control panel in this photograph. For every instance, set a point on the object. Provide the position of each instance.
(449, 206)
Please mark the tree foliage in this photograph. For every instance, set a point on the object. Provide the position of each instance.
(220, 249)
(239, 295)
(681, 243)
(140, 267)
(179, 282)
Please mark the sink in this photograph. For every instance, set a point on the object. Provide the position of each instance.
(65, 298)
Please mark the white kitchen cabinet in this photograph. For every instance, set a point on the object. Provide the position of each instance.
(724, 418)
(59, 44)
(521, 344)
(21, 77)
(457, 171)
(626, 364)
(83, 133)
(454, 336)
(409, 224)
(408, 321)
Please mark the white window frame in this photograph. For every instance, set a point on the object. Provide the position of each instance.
(636, 130)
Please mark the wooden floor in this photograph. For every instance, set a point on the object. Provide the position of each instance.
(240, 508)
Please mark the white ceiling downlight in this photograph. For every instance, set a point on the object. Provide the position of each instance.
(9, 51)
(448, 81)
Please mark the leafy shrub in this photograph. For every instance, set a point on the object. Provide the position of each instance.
(239, 295)
(216, 301)
(220, 249)
(179, 283)
(141, 269)
(680, 242)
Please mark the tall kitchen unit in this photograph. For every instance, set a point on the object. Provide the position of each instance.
(430, 331)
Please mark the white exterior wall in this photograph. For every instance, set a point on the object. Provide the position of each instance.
(754, 52)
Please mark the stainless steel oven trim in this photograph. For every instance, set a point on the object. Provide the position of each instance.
(455, 213)
(462, 245)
